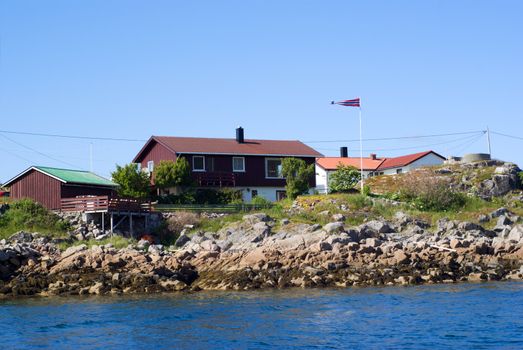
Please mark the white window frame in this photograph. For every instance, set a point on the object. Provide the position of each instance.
(138, 166)
(267, 168)
(198, 170)
(150, 166)
(243, 163)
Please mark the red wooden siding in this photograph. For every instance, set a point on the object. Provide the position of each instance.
(39, 187)
(70, 191)
(156, 153)
(253, 176)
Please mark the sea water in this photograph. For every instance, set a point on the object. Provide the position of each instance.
(461, 316)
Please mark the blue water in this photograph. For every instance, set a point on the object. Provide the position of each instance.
(461, 316)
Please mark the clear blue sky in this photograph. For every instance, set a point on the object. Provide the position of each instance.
(131, 69)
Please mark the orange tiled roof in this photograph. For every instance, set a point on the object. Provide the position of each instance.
(369, 164)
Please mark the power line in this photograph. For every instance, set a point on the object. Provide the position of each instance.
(466, 138)
(400, 137)
(38, 152)
(507, 135)
(70, 136)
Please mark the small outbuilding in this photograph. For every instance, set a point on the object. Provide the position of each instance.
(48, 186)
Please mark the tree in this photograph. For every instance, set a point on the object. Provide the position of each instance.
(343, 179)
(170, 174)
(297, 175)
(132, 182)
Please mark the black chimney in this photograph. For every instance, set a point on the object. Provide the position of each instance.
(344, 153)
(239, 135)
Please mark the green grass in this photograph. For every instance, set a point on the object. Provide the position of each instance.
(29, 216)
(117, 241)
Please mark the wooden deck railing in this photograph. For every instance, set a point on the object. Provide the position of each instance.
(104, 203)
(216, 179)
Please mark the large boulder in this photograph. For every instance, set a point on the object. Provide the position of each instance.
(333, 227)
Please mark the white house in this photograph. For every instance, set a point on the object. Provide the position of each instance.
(373, 166)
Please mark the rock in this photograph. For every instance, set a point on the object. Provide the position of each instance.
(483, 218)
(155, 249)
(284, 222)
(182, 240)
(102, 236)
(258, 217)
(516, 234)
(400, 257)
(373, 228)
(324, 246)
(73, 250)
(97, 288)
(338, 217)
(333, 227)
(498, 212)
(455, 243)
(142, 244)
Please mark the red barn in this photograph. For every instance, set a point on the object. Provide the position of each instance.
(48, 186)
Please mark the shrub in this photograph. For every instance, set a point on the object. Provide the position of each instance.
(520, 174)
(170, 174)
(132, 182)
(26, 214)
(203, 196)
(429, 192)
(343, 179)
(297, 175)
(261, 202)
(178, 220)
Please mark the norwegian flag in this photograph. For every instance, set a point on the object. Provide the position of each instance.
(348, 103)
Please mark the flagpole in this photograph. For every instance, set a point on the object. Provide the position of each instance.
(361, 153)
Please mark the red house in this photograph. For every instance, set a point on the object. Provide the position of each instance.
(252, 166)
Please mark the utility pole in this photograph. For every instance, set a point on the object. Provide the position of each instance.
(488, 142)
(91, 157)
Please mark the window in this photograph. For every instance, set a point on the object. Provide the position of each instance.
(238, 164)
(198, 163)
(254, 193)
(150, 166)
(281, 195)
(273, 168)
(399, 171)
(138, 166)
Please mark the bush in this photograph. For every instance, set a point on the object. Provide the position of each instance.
(261, 202)
(132, 182)
(297, 176)
(170, 174)
(520, 174)
(344, 179)
(26, 214)
(178, 220)
(203, 196)
(429, 192)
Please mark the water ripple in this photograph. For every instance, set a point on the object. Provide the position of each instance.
(475, 316)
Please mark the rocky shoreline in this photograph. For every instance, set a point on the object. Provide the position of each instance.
(258, 252)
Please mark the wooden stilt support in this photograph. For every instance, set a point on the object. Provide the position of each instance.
(131, 225)
(103, 223)
(112, 224)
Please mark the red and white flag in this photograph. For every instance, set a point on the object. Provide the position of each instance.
(348, 103)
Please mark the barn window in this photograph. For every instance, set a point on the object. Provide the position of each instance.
(399, 171)
(238, 164)
(150, 166)
(198, 163)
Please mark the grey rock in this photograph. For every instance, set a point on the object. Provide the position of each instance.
(498, 212)
(258, 217)
(516, 234)
(180, 242)
(338, 217)
(333, 227)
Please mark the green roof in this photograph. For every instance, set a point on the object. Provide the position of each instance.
(76, 176)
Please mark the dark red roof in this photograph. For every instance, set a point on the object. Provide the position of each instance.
(199, 145)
